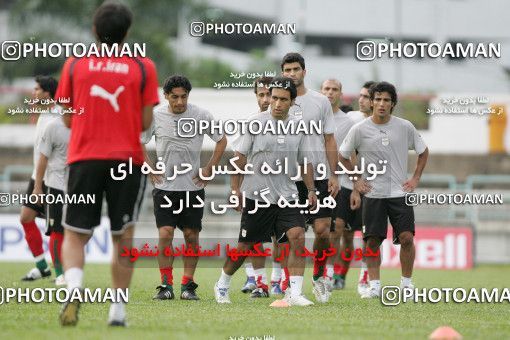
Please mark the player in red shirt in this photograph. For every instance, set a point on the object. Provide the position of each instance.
(116, 96)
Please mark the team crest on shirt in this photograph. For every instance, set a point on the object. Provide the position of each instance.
(280, 140)
(385, 141)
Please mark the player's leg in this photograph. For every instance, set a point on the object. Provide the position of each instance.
(56, 233)
(188, 285)
(250, 283)
(192, 225)
(259, 269)
(79, 220)
(222, 286)
(276, 273)
(124, 199)
(165, 290)
(166, 223)
(402, 220)
(296, 265)
(33, 237)
(334, 242)
(375, 218)
(254, 228)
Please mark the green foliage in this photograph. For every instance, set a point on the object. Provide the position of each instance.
(154, 23)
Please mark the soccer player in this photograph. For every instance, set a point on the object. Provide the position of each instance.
(385, 137)
(44, 90)
(52, 161)
(332, 88)
(117, 103)
(352, 218)
(285, 223)
(313, 106)
(177, 151)
(256, 280)
(365, 109)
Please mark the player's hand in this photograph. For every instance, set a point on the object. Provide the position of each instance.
(202, 183)
(155, 178)
(333, 186)
(410, 185)
(355, 200)
(362, 186)
(312, 200)
(239, 194)
(38, 191)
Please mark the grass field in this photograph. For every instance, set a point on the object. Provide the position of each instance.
(345, 317)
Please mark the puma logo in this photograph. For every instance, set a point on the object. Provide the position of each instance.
(98, 91)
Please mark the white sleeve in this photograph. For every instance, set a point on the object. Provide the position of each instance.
(350, 143)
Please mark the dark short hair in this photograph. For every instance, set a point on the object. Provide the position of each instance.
(293, 57)
(262, 82)
(176, 81)
(284, 83)
(368, 84)
(47, 84)
(112, 21)
(384, 87)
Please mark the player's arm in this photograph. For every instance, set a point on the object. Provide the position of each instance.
(355, 198)
(40, 169)
(332, 156)
(236, 180)
(207, 171)
(412, 183)
(147, 117)
(154, 178)
(310, 184)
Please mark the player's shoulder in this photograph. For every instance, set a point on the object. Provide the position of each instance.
(260, 116)
(402, 122)
(198, 112)
(315, 95)
(147, 62)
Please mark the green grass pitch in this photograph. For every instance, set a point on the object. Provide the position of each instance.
(346, 316)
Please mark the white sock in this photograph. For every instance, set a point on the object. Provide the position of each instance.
(363, 265)
(117, 311)
(74, 278)
(375, 284)
(276, 274)
(296, 285)
(261, 273)
(248, 266)
(329, 270)
(406, 281)
(224, 281)
(283, 276)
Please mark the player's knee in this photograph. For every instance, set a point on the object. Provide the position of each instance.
(166, 233)
(296, 236)
(348, 237)
(406, 239)
(373, 243)
(190, 235)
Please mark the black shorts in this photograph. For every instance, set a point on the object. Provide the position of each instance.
(123, 197)
(267, 222)
(54, 213)
(322, 187)
(189, 217)
(38, 208)
(376, 212)
(343, 211)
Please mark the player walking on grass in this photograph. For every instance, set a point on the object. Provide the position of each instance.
(117, 105)
(351, 219)
(385, 137)
(44, 90)
(52, 162)
(332, 89)
(286, 223)
(313, 106)
(256, 280)
(176, 152)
